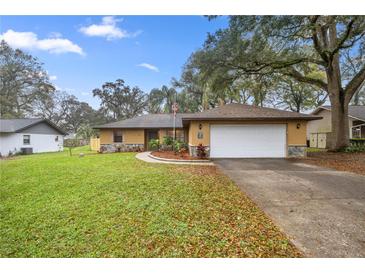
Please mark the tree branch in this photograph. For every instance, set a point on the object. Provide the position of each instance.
(316, 42)
(345, 35)
(305, 79)
(355, 84)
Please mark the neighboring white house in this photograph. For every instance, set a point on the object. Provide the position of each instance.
(32, 135)
(318, 131)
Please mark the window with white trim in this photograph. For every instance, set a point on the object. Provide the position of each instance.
(26, 139)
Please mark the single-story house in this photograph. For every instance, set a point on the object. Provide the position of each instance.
(31, 135)
(319, 131)
(232, 130)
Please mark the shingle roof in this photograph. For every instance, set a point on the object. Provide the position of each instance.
(147, 121)
(354, 111)
(17, 125)
(225, 112)
(248, 112)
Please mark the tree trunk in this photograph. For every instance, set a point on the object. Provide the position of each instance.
(340, 124)
(339, 102)
(339, 107)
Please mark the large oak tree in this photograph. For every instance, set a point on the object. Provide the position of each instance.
(120, 101)
(295, 46)
(23, 82)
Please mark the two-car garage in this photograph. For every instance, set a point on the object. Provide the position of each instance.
(245, 131)
(248, 140)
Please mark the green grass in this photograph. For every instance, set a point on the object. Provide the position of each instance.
(314, 149)
(113, 205)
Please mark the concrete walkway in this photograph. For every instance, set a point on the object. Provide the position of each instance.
(321, 210)
(144, 156)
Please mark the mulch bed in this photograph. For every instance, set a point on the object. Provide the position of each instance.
(173, 155)
(352, 162)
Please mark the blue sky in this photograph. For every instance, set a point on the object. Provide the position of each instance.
(80, 53)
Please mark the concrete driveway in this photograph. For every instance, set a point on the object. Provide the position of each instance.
(321, 210)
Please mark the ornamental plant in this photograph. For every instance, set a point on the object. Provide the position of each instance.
(154, 144)
(201, 151)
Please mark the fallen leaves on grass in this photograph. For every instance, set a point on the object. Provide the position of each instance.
(352, 162)
(112, 205)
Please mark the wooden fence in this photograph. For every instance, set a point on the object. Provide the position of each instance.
(95, 144)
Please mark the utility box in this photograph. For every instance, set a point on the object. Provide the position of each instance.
(322, 140)
(26, 150)
(319, 140)
(313, 141)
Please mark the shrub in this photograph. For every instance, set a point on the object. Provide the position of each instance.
(168, 140)
(154, 144)
(201, 151)
(357, 141)
(355, 147)
(180, 146)
(15, 153)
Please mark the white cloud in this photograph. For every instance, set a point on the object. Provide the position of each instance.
(108, 28)
(55, 35)
(149, 66)
(52, 77)
(85, 93)
(30, 40)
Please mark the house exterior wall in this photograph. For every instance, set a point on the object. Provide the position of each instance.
(296, 137)
(320, 126)
(13, 142)
(199, 133)
(130, 136)
(133, 140)
(133, 136)
(106, 136)
(324, 125)
(204, 133)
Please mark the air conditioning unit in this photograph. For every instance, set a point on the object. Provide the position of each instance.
(26, 150)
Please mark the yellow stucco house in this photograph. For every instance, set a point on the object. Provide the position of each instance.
(228, 131)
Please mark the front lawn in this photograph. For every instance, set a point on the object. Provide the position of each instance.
(113, 205)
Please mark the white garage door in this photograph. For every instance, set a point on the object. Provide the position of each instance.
(248, 141)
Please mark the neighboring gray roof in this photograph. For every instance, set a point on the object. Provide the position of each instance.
(248, 112)
(17, 125)
(357, 112)
(225, 112)
(147, 121)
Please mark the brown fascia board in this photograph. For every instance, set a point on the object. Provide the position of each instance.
(134, 127)
(251, 119)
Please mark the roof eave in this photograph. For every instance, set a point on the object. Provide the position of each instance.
(314, 112)
(250, 119)
(124, 127)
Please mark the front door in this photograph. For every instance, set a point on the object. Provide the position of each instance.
(150, 135)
